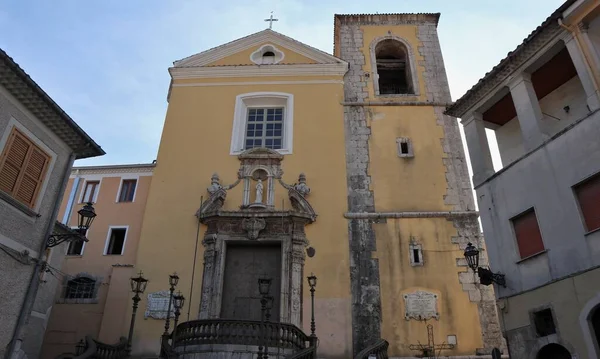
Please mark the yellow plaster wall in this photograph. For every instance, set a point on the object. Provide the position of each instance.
(414, 184)
(243, 57)
(439, 274)
(406, 184)
(195, 143)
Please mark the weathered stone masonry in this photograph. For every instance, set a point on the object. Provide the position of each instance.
(364, 270)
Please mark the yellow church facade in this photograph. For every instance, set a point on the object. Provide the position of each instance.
(278, 160)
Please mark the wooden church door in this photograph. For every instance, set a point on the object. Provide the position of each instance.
(245, 263)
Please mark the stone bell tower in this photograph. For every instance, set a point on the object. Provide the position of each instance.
(410, 205)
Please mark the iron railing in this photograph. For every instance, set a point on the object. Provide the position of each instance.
(377, 350)
(93, 349)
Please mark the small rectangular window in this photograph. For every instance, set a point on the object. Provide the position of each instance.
(405, 148)
(264, 128)
(127, 190)
(116, 241)
(527, 231)
(23, 167)
(416, 257)
(89, 191)
(544, 322)
(588, 196)
(75, 248)
(80, 288)
(416, 254)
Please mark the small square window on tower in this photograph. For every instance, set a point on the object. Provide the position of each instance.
(416, 254)
(405, 148)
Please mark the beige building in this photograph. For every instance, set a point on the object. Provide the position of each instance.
(94, 293)
(541, 211)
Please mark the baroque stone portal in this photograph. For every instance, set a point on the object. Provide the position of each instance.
(256, 224)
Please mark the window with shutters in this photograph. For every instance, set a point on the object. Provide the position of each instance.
(127, 190)
(588, 196)
(89, 191)
(23, 167)
(527, 231)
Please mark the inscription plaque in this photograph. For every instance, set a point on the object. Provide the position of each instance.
(420, 305)
(158, 304)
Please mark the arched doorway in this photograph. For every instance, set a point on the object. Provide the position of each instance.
(553, 351)
(595, 325)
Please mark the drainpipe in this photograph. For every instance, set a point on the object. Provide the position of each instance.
(15, 343)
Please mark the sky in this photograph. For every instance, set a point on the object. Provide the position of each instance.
(105, 61)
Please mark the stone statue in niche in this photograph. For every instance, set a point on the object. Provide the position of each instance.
(301, 186)
(259, 192)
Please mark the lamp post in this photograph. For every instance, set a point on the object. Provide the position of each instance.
(264, 287)
(138, 286)
(486, 276)
(178, 301)
(312, 283)
(173, 280)
(86, 217)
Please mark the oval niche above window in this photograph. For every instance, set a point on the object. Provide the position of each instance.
(267, 55)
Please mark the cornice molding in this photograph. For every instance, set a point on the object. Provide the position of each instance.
(109, 171)
(300, 82)
(337, 69)
(222, 51)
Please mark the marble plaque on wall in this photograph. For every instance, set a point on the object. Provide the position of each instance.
(420, 305)
(158, 304)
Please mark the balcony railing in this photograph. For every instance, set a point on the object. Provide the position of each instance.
(229, 331)
(377, 350)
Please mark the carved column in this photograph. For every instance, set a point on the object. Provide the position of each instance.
(297, 272)
(270, 191)
(246, 200)
(208, 276)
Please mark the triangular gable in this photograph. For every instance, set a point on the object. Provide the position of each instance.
(251, 41)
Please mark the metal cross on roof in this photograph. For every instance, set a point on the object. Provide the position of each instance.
(270, 20)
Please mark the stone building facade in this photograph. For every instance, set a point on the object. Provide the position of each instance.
(540, 210)
(38, 144)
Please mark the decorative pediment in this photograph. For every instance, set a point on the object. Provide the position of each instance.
(260, 153)
(254, 42)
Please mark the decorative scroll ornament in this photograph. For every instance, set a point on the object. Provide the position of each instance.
(300, 204)
(214, 203)
(253, 226)
(301, 186)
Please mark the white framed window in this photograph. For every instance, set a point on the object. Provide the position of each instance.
(115, 241)
(76, 248)
(127, 190)
(263, 119)
(89, 191)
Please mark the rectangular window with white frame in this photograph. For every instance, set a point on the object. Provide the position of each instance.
(127, 192)
(76, 247)
(90, 191)
(263, 119)
(115, 242)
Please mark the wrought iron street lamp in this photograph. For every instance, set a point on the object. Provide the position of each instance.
(138, 286)
(312, 283)
(86, 217)
(178, 302)
(264, 287)
(173, 280)
(486, 276)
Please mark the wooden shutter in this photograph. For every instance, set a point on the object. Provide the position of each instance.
(23, 168)
(588, 195)
(527, 231)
